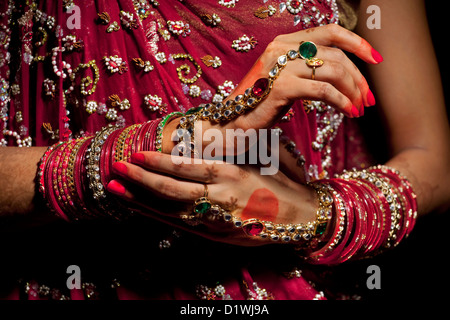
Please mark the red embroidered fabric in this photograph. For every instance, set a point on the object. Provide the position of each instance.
(66, 71)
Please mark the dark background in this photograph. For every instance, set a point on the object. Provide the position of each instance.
(418, 269)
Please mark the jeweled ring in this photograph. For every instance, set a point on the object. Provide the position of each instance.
(201, 206)
(307, 50)
(314, 63)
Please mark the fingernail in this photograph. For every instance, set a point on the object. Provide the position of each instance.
(138, 158)
(370, 98)
(377, 56)
(355, 112)
(116, 188)
(120, 168)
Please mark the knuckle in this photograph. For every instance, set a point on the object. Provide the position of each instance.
(338, 70)
(339, 54)
(324, 90)
(168, 189)
(334, 29)
(272, 47)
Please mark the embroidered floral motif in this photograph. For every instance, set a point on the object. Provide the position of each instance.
(161, 57)
(104, 18)
(146, 66)
(111, 114)
(49, 88)
(91, 107)
(217, 293)
(115, 64)
(228, 3)
(194, 91)
(244, 43)
(179, 28)
(264, 12)
(294, 6)
(165, 34)
(226, 88)
(308, 12)
(116, 102)
(212, 20)
(113, 27)
(71, 43)
(206, 94)
(209, 61)
(128, 20)
(142, 8)
(154, 103)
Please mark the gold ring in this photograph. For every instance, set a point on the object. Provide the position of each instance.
(314, 63)
(201, 207)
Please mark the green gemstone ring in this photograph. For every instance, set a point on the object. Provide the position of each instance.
(307, 50)
(201, 207)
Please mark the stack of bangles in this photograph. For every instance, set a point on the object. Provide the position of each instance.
(360, 213)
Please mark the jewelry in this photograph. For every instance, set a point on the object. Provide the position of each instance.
(220, 112)
(160, 129)
(314, 63)
(115, 64)
(186, 135)
(201, 207)
(295, 232)
(307, 50)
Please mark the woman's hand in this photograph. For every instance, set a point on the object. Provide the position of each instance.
(167, 191)
(338, 82)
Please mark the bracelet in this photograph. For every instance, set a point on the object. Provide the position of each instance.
(301, 233)
(160, 129)
(93, 167)
(250, 99)
(186, 135)
(43, 163)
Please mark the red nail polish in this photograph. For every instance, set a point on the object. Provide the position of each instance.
(116, 188)
(377, 56)
(138, 158)
(370, 98)
(355, 112)
(120, 168)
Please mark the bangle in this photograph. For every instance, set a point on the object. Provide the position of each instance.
(151, 136)
(160, 129)
(43, 163)
(93, 168)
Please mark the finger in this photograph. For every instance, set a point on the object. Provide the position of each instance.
(158, 184)
(314, 90)
(183, 167)
(334, 73)
(338, 56)
(140, 197)
(335, 35)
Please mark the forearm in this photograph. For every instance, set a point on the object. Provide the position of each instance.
(410, 99)
(429, 175)
(18, 167)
